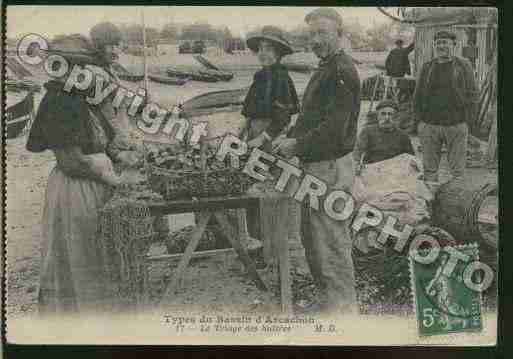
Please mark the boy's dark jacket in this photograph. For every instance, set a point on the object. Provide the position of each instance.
(272, 95)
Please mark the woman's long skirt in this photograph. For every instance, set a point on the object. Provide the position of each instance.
(72, 278)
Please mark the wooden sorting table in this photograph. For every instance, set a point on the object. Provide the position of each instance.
(275, 237)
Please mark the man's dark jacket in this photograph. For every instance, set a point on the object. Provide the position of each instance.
(463, 84)
(326, 127)
(397, 63)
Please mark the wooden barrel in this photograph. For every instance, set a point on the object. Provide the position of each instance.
(468, 209)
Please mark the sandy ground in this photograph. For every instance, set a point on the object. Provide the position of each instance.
(218, 283)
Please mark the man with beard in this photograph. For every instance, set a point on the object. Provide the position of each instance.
(445, 104)
(382, 141)
(322, 139)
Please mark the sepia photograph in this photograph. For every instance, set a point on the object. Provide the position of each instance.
(251, 175)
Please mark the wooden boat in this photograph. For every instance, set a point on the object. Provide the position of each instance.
(131, 77)
(213, 70)
(18, 116)
(216, 99)
(206, 63)
(169, 80)
(193, 75)
(221, 75)
(126, 75)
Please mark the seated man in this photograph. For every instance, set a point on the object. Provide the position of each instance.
(391, 180)
(382, 141)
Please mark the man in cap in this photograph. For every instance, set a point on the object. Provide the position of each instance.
(323, 138)
(445, 103)
(382, 141)
(397, 63)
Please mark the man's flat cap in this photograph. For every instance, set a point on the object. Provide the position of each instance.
(325, 12)
(444, 34)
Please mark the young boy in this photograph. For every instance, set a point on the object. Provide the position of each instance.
(272, 97)
(270, 102)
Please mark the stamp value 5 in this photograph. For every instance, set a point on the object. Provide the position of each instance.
(443, 302)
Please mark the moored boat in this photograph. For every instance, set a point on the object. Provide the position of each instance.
(193, 75)
(131, 77)
(169, 80)
(213, 70)
(215, 99)
(126, 75)
(19, 115)
(221, 75)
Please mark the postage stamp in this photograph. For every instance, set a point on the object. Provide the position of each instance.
(443, 302)
(250, 175)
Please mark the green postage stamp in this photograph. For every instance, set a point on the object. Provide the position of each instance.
(444, 303)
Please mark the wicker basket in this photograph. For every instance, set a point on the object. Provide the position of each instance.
(186, 184)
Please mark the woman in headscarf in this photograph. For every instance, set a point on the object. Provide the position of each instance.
(81, 136)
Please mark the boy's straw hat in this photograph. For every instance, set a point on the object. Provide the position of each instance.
(274, 35)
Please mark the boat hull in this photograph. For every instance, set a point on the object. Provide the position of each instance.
(131, 78)
(216, 99)
(193, 75)
(19, 116)
(16, 126)
(172, 80)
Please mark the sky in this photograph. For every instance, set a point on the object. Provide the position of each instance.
(49, 21)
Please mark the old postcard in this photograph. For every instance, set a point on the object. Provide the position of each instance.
(251, 175)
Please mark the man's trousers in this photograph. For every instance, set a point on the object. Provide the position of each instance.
(328, 245)
(432, 138)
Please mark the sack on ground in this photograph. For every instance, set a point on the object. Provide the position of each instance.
(395, 186)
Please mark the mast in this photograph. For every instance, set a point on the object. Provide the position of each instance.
(144, 54)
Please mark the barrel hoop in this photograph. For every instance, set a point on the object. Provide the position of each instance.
(477, 201)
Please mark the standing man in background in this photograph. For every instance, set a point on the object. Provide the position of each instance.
(397, 63)
(397, 66)
(323, 139)
(445, 104)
